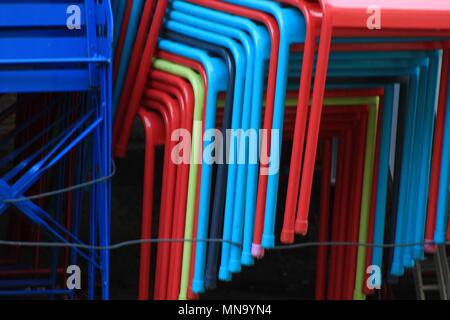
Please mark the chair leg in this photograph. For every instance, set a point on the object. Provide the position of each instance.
(321, 260)
(147, 208)
(301, 224)
(104, 194)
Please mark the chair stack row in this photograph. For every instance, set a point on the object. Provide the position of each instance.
(350, 96)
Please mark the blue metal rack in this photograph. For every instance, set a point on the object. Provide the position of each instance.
(40, 53)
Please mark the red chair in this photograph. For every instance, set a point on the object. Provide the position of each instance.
(154, 136)
(313, 17)
(199, 68)
(124, 127)
(437, 154)
(344, 15)
(135, 60)
(341, 212)
(170, 113)
(182, 91)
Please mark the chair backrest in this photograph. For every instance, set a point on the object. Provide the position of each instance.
(50, 46)
(398, 14)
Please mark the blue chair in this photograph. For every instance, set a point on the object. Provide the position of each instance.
(225, 185)
(205, 187)
(261, 41)
(70, 61)
(236, 152)
(442, 214)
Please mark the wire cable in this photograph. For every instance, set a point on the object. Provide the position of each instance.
(129, 243)
(64, 190)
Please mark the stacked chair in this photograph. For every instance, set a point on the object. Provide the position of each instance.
(247, 98)
(56, 57)
(354, 93)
